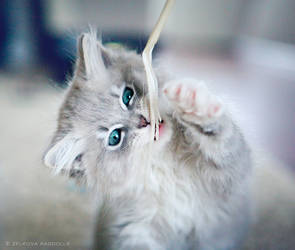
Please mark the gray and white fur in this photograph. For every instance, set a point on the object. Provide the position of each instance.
(188, 190)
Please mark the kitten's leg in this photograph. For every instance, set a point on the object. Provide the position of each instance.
(204, 115)
(221, 154)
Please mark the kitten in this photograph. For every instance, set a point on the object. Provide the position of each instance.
(188, 190)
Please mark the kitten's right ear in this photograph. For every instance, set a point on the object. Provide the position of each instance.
(93, 59)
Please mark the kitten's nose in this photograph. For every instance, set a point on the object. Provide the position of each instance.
(143, 122)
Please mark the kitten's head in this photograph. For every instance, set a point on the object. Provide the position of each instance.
(104, 120)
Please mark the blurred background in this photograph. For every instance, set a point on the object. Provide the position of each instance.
(244, 49)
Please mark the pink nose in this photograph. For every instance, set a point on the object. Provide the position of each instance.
(143, 122)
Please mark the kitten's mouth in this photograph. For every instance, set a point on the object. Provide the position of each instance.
(143, 122)
(161, 126)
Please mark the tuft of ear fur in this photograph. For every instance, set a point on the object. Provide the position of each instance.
(93, 59)
(61, 156)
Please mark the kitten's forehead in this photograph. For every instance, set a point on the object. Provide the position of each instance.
(126, 72)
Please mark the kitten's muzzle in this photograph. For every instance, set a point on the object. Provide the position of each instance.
(143, 122)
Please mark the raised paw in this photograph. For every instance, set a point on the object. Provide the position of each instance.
(193, 100)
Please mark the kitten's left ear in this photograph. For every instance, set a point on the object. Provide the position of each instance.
(93, 58)
(62, 154)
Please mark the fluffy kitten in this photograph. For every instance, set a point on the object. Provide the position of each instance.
(189, 190)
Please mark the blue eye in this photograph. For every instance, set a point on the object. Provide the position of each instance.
(127, 96)
(115, 137)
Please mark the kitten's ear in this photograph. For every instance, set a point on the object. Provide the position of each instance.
(93, 58)
(61, 155)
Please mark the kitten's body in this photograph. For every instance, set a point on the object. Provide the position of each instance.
(189, 190)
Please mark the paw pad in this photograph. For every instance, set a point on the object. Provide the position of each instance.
(192, 99)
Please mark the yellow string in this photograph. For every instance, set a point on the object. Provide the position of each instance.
(150, 75)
